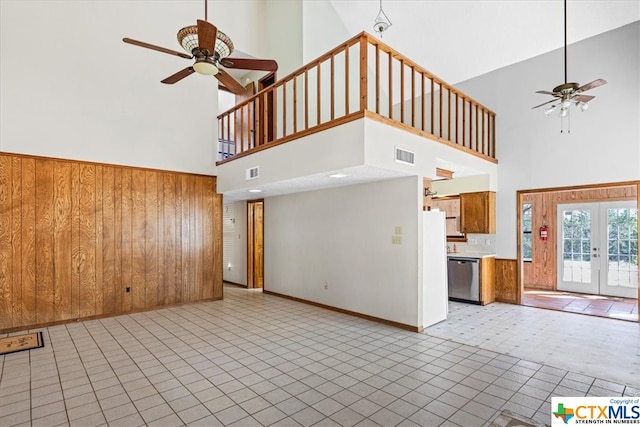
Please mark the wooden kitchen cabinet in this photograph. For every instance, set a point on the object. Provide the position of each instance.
(478, 212)
(450, 205)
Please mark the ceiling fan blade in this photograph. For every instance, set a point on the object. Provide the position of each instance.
(250, 64)
(583, 98)
(178, 76)
(593, 84)
(546, 92)
(154, 47)
(544, 103)
(230, 83)
(207, 34)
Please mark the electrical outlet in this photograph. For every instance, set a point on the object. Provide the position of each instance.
(398, 230)
(396, 240)
(326, 286)
(472, 241)
(487, 242)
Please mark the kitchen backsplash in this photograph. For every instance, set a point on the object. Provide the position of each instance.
(476, 243)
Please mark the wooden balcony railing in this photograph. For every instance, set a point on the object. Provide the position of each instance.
(361, 77)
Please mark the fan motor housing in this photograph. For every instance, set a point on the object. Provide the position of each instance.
(566, 88)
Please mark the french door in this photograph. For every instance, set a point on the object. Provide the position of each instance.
(598, 248)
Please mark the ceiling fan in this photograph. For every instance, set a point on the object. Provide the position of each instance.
(568, 93)
(211, 49)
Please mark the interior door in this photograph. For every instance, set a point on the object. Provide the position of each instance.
(266, 117)
(598, 248)
(255, 244)
(245, 121)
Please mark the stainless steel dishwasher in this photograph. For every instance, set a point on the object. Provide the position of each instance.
(464, 279)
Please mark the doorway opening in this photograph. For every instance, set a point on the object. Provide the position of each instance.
(266, 114)
(580, 257)
(598, 248)
(255, 244)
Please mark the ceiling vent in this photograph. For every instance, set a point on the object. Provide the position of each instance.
(253, 173)
(404, 156)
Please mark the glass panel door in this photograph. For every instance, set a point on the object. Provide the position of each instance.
(577, 268)
(598, 248)
(619, 257)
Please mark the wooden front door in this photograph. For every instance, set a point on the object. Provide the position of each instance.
(255, 244)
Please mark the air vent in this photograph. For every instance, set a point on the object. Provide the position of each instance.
(253, 173)
(404, 156)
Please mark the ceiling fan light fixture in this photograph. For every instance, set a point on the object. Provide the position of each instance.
(188, 39)
(206, 67)
(569, 94)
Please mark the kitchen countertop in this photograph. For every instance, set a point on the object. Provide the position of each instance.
(470, 255)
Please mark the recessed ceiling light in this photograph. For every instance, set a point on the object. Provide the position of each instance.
(255, 190)
(338, 175)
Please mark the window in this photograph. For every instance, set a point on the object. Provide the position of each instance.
(527, 240)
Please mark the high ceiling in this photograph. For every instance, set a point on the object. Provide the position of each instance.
(484, 34)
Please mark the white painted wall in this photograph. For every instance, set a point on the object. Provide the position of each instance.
(338, 147)
(603, 143)
(322, 29)
(363, 142)
(342, 237)
(381, 140)
(72, 89)
(284, 34)
(465, 184)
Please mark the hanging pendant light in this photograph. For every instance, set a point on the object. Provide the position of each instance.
(382, 22)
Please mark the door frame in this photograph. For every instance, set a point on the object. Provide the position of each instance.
(516, 281)
(253, 281)
(265, 117)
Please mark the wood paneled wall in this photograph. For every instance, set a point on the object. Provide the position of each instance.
(507, 288)
(75, 235)
(541, 272)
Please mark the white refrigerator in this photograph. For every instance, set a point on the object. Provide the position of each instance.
(435, 299)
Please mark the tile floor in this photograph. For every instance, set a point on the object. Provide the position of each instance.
(594, 305)
(255, 359)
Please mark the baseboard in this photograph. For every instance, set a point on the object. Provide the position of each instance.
(349, 312)
(226, 282)
(101, 316)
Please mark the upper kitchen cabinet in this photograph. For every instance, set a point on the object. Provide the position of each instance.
(478, 212)
(450, 205)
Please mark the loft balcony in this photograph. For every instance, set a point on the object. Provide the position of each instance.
(355, 109)
(362, 77)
